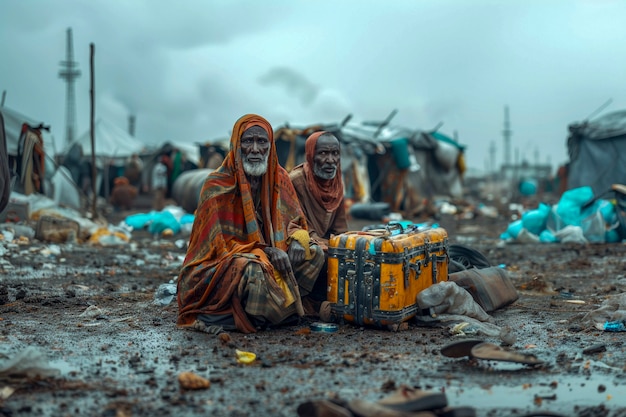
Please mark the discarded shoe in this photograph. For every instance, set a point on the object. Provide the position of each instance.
(322, 408)
(362, 408)
(410, 399)
(490, 351)
(460, 348)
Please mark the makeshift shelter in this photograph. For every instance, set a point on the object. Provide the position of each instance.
(30, 152)
(112, 147)
(597, 152)
(110, 142)
(393, 164)
(26, 148)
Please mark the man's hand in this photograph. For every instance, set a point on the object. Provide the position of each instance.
(279, 259)
(296, 253)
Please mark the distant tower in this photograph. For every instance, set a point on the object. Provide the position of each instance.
(69, 72)
(131, 124)
(492, 157)
(507, 133)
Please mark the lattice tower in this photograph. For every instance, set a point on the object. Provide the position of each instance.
(69, 72)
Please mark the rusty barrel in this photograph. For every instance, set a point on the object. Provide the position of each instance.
(186, 189)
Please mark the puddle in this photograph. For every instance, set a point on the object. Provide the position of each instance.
(555, 394)
(64, 367)
(49, 270)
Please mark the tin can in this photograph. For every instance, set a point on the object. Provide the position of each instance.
(614, 326)
(323, 327)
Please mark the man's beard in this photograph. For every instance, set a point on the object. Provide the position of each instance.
(255, 169)
(319, 172)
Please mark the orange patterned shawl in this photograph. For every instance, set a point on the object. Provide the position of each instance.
(226, 227)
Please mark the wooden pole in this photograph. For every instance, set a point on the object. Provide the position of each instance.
(92, 131)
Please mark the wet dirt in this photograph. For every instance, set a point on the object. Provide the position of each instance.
(91, 311)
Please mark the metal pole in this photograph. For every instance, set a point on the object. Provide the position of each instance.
(92, 50)
(385, 122)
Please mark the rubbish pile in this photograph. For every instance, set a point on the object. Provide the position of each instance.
(578, 217)
(36, 216)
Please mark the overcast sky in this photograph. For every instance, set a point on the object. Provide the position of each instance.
(189, 69)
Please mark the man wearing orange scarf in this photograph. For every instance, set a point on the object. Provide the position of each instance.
(250, 258)
(319, 186)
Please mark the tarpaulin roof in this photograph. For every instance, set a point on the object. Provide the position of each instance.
(608, 126)
(597, 151)
(109, 140)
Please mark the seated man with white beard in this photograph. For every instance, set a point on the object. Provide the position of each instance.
(250, 258)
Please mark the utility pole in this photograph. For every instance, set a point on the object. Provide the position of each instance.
(92, 131)
(69, 72)
(492, 157)
(507, 133)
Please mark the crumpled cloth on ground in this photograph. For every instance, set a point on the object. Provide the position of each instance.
(448, 297)
(454, 306)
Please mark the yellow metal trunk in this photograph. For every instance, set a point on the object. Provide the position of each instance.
(374, 277)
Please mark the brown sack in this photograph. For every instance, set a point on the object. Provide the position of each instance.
(490, 287)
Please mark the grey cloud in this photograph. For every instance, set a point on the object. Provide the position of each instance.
(190, 69)
(292, 81)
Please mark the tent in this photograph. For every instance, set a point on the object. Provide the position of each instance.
(597, 152)
(110, 142)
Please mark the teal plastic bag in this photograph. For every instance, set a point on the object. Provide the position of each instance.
(612, 236)
(528, 187)
(547, 237)
(535, 220)
(514, 228)
(569, 209)
(162, 221)
(140, 220)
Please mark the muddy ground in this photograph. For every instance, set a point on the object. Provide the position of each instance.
(89, 312)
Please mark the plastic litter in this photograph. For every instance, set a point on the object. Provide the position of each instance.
(612, 310)
(28, 363)
(165, 294)
(613, 326)
(92, 312)
(577, 218)
(245, 357)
